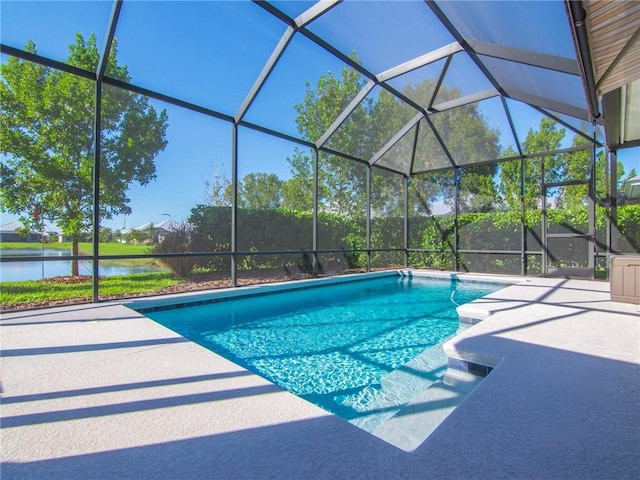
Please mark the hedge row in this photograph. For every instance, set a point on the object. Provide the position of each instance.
(502, 231)
(287, 231)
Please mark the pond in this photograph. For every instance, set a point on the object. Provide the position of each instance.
(34, 270)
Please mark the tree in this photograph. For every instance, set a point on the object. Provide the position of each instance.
(556, 168)
(108, 235)
(219, 190)
(468, 139)
(260, 191)
(47, 142)
(387, 194)
(577, 166)
(547, 138)
(297, 192)
(341, 182)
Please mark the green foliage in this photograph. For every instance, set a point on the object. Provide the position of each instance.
(47, 119)
(259, 191)
(177, 241)
(502, 231)
(218, 187)
(629, 227)
(477, 192)
(439, 241)
(354, 256)
(546, 139)
(553, 168)
(108, 235)
(19, 294)
(297, 192)
(387, 194)
(275, 230)
(341, 183)
(211, 232)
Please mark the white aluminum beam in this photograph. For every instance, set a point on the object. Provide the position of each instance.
(315, 11)
(420, 61)
(264, 74)
(536, 59)
(550, 104)
(396, 138)
(458, 102)
(345, 113)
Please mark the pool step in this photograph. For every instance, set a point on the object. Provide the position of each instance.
(376, 404)
(379, 403)
(410, 426)
(417, 374)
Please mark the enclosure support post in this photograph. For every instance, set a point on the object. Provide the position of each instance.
(523, 223)
(368, 220)
(613, 235)
(234, 205)
(97, 127)
(592, 245)
(607, 205)
(316, 260)
(101, 70)
(543, 223)
(405, 184)
(456, 183)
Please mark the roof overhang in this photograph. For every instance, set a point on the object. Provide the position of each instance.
(622, 116)
(614, 38)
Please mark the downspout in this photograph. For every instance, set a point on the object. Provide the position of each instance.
(578, 23)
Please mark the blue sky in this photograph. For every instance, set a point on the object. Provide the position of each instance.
(209, 53)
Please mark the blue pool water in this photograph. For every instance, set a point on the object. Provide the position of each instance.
(359, 349)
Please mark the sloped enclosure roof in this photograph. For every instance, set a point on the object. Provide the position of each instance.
(421, 67)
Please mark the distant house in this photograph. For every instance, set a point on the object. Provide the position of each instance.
(441, 209)
(9, 232)
(150, 232)
(632, 188)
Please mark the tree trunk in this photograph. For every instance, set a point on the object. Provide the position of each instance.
(74, 251)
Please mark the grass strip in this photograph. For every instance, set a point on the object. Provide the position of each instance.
(57, 289)
(85, 248)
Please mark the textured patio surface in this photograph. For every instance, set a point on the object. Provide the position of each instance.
(102, 392)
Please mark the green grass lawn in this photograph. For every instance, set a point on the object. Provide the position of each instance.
(18, 293)
(86, 248)
(39, 291)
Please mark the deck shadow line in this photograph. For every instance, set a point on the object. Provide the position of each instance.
(129, 407)
(123, 387)
(21, 352)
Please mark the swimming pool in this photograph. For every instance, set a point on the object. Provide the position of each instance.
(359, 349)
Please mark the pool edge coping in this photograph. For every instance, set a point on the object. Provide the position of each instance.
(179, 300)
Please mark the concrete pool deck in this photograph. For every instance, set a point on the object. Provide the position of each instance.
(103, 392)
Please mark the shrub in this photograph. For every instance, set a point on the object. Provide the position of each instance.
(177, 241)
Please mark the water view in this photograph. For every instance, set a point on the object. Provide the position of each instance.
(34, 270)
